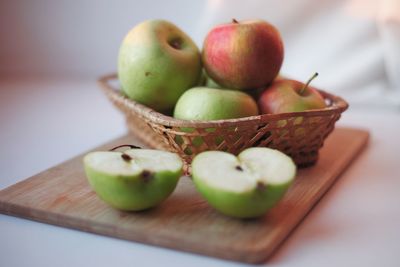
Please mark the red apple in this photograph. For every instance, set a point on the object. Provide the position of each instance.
(290, 96)
(243, 55)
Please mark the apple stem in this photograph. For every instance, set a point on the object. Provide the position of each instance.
(307, 83)
(235, 21)
(124, 156)
(130, 146)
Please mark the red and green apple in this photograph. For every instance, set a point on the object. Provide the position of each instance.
(286, 95)
(243, 55)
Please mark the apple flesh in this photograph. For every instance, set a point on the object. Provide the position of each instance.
(243, 55)
(157, 62)
(136, 179)
(245, 186)
(202, 103)
(286, 95)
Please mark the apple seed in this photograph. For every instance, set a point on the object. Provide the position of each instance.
(126, 157)
(239, 168)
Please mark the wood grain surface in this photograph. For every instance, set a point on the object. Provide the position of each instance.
(62, 196)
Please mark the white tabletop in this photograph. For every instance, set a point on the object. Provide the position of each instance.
(43, 123)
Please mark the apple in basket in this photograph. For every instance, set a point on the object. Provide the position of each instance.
(206, 81)
(243, 186)
(286, 95)
(135, 179)
(243, 55)
(157, 62)
(202, 103)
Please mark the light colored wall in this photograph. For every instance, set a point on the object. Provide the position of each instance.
(78, 38)
(353, 44)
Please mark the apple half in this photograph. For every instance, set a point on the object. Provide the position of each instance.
(135, 179)
(245, 186)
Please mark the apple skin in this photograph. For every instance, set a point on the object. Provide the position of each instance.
(206, 81)
(245, 205)
(132, 192)
(210, 83)
(157, 62)
(202, 103)
(243, 55)
(283, 96)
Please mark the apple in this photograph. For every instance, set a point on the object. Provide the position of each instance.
(135, 179)
(286, 95)
(203, 79)
(157, 62)
(210, 83)
(202, 103)
(243, 55)
(245, 186)
(206, 81)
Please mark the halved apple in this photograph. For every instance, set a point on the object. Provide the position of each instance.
(135, 179)
(245, 186)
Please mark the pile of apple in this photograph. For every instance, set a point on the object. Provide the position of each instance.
(161, 67)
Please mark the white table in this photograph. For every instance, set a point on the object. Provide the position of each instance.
(43, 123)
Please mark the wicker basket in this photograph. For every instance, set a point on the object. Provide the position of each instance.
(298, 134)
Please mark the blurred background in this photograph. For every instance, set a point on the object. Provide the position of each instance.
(353, 44)
(52, 52)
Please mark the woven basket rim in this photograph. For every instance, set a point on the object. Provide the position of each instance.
(338, 105)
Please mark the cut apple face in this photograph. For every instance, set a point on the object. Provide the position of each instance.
(133, 180)
(245, 186)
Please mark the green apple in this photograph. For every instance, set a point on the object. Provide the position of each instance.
(135, 179)
(202, 103)
(208, 82)
(157, 63)
(245, 186)
(285, 95)
(203, 79)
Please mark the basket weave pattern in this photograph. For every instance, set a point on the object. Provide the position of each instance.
(299, 135)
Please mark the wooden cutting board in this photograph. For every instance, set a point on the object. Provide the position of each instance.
(62, 196)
